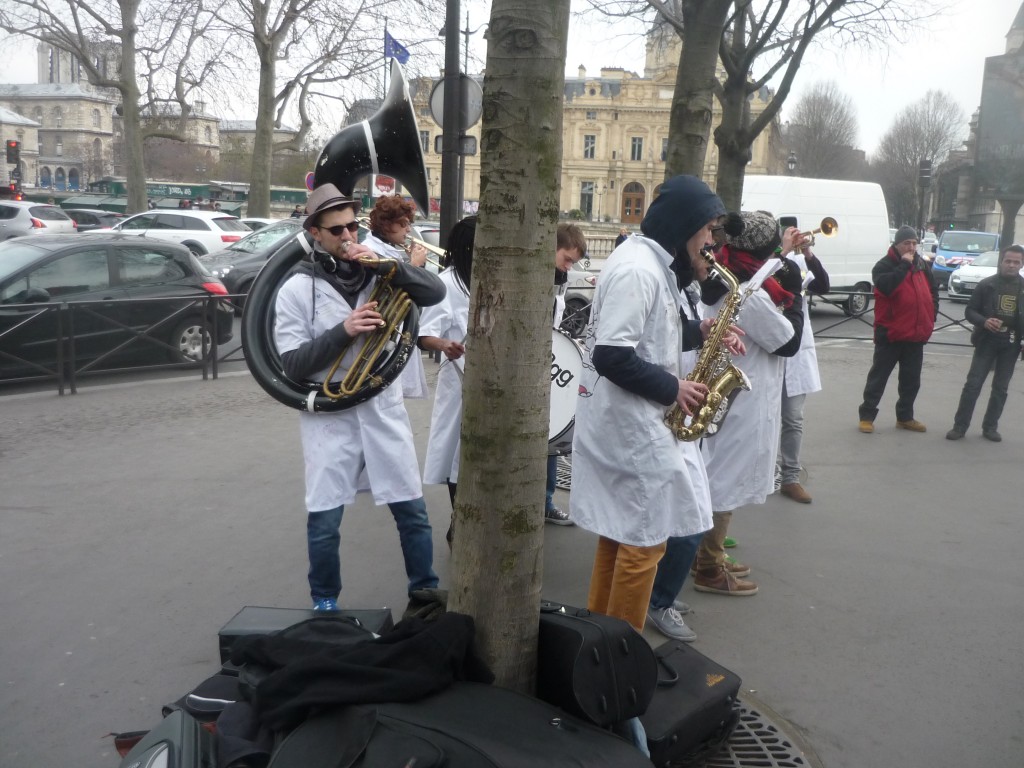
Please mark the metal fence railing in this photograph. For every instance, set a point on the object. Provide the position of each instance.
(65, 341)
(70, 326)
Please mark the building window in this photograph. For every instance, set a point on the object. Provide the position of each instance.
(37, 115)
(664, 150)
(591, 114)
(425, 141)
(208, 133)
(589, 146)
(636, 148)
(59, 150)
(58, 118)
(587, 198)
(95, 118)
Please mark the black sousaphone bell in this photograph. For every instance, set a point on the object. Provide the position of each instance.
(387, 143)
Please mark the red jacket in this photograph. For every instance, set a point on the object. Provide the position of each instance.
(906, 299)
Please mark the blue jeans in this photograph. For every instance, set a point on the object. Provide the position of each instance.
(549, 500)
(791, 435)
(672, 570)
(323, 538)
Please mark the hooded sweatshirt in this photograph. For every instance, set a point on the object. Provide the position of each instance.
(684, 206)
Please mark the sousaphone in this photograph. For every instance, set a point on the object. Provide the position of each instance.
(388, 143)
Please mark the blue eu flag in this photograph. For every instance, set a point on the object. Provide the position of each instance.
(394, 49)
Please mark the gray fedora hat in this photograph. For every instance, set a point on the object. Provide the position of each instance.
(324, 198)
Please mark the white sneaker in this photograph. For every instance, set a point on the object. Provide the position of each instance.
(671, 624)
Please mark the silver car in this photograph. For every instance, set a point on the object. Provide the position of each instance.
(19, 217)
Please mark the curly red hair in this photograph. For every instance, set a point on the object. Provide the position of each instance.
(391, 209)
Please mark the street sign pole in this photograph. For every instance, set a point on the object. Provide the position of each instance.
(450, 131)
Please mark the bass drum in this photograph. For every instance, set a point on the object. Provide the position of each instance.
(566, 367)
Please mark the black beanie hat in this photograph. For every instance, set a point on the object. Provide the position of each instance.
(684, 206)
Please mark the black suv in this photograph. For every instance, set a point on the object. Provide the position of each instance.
(64, 286)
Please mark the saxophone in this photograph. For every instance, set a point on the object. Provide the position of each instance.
(714, 367)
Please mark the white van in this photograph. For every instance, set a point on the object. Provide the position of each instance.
(861, 239)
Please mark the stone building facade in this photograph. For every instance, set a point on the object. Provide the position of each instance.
(73, 137)
(615, 136)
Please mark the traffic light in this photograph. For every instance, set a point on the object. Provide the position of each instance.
(924, 172)
(13, 151)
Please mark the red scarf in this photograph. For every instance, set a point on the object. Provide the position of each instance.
(743, 266)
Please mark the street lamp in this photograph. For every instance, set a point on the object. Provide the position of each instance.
(600, 198)
(791, 162)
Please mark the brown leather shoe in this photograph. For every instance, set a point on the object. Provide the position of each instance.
(720, 582)
(736, 569)
(865, 426)
(912, 424)
(796, 492)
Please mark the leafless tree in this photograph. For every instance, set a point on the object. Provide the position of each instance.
(498, 558)
(159, 53)
(823, 127)
(304, 51)
(776, 38)
(928, 130)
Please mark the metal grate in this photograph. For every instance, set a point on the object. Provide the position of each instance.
(563, 475)
(760, 742)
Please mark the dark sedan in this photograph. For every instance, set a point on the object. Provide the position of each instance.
(238, 265)
(69, 287)
(91, 219)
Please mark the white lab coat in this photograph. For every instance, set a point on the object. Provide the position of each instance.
(802, 377)
(740, 458)
(414, 375)
(367, 446)
(631, 479)
(447, 320)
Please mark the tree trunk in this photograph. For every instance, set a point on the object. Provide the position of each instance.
(499, 529)
(693, 100)
(263, 142)
(134, 158)
(734, 143)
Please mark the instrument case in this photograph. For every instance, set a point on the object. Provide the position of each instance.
(694, 709)
(258, 620)
(470, 725)
(594, 666)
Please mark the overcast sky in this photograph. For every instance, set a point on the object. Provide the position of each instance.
(947, 54)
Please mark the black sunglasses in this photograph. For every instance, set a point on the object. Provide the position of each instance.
(337, 229)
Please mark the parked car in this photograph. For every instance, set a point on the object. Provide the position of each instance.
(958, 247)
(965, 279)
(256, 222)
(199, 231)
(579, 295)
(238, 264)
(428, 232)
(19, 217)
(47, 270)
(89, 219)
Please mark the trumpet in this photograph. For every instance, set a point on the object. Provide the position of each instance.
(828, 228)
(411, 241)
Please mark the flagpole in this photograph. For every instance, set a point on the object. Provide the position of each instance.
(384, 74)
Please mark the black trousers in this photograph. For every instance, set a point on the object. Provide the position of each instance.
(989, 354)
(909, 355)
